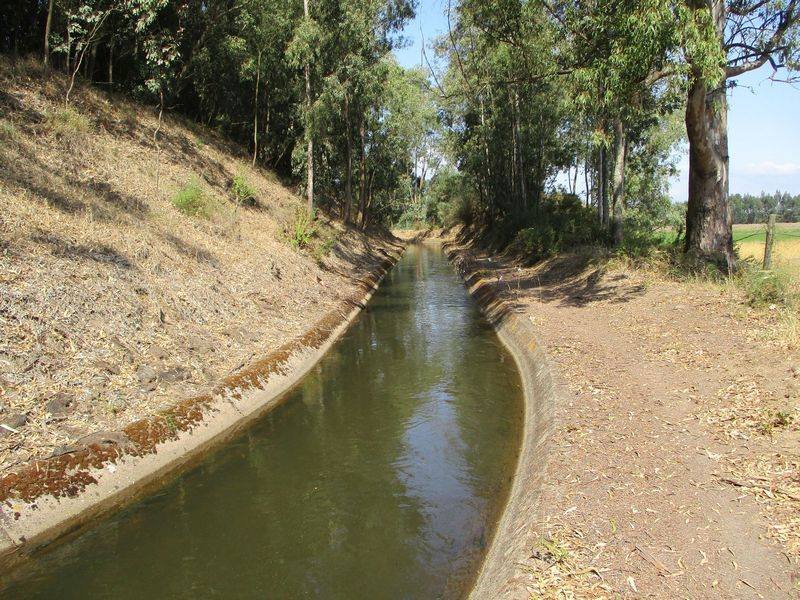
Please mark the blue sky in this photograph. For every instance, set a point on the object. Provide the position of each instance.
(763, 122)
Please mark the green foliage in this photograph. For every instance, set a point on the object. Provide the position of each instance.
(749, 208)
(326, 241)
(301, 230)
(775, 419)
(66, 123)
(767, 288)
(8, 130)
(243, 193)
(192, 200)
(451, 199)
(560, 223)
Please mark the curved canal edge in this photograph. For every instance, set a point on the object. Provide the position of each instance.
(516, 531)
(51, 498)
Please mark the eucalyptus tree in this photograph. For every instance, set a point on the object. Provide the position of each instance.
(353, 38)
(737, 36)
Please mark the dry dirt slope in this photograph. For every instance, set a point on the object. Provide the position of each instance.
(113, 303)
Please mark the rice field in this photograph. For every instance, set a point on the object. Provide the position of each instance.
(750, 239)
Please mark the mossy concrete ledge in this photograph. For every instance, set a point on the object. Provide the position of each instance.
(515, 536)
(49, 498)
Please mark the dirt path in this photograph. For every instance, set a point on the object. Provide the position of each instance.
(665, 400)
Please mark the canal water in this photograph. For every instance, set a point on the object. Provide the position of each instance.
(381, 476)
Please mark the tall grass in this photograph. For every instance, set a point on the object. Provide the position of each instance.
(66, 123)
(301, 230)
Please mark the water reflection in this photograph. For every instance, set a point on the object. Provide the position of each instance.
(380, 477)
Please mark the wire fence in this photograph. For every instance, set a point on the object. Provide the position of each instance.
(769, 234)
(781, 235)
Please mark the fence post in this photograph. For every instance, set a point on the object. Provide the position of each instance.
(769, 242)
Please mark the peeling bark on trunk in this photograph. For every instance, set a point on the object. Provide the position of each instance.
(520, 166)
(709, 220)
(602, 186)
(348, 186)
(618, 182)
(365, 214)
(362, 173)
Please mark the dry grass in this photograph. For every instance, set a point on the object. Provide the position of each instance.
(785, 252)
(750, 241)
(102, 277)
(565, 567)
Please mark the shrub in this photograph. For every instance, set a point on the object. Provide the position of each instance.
(301, 230)
(192, 200)
(322, 249)
(243, 193)
(764, 288)
(560, 222)
(66, 123)
(412, 218)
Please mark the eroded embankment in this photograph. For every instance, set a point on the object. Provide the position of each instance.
(515, 532)
(53, 496)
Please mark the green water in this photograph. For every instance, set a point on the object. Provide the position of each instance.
(381, 476)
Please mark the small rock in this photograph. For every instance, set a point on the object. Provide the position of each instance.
(157, 352)
(59, 405)
(15, 421)
(197, 343)
(104, 365)
(146, 374)
(175, 374)
(117, 403)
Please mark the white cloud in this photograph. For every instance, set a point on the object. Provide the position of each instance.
(768, 167)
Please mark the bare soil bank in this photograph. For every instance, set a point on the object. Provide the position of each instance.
(114, 305)
(672, 471)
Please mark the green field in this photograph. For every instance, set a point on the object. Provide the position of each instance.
(758, 232)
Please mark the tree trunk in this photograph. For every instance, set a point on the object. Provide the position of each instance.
(91, 63)
(68, 61)
(709, 220)
(602, 186)
(309, 133)
(111, 62)
(47, 25)
(362, 172)
(586, 180)
(348, 186)
(520, 167)
(255, 109)
(365, 215)
(618, 183)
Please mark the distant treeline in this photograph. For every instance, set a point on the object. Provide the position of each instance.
(756, 209)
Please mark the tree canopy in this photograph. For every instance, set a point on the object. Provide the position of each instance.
(518, 100)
